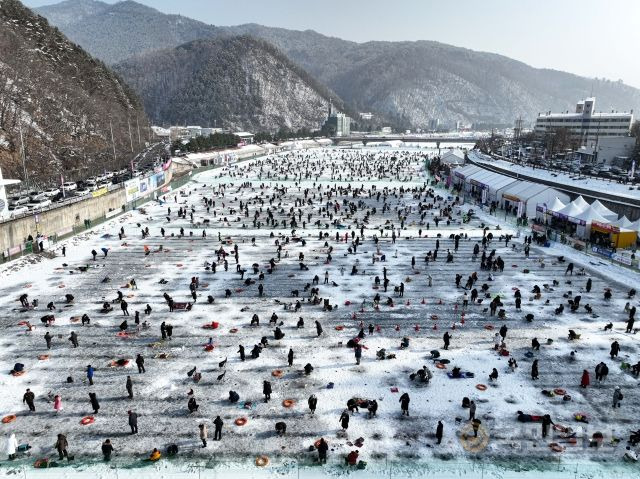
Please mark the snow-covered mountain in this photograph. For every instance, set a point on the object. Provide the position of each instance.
(236, 83)
(64, 101)
(409, 82)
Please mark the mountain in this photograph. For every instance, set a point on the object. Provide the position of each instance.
(60, 103)
(117, 31)
(235, 82)
(408, 82)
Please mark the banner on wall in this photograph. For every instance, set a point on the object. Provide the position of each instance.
(144, 186)
(132, 189)
(484, 196)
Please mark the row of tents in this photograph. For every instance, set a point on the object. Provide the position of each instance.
(589, 221)
(505, 191)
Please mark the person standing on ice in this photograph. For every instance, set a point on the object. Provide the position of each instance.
(404, 404)
(617, 397)
(588, 286)
(57, 403)
(129, 386)
(584, 382)
(439, 432)
(290, 357)
(318, 328)
(472, 410)
(313, 403)
(241, 352)
(90, 371)
(133, 422)
(322, 447)
(615, 349)
(569, 269)
(358, 353)
(266, 390)
(107, 450)
(29, 398)
(218, 423)
(47, 338)
(446, 338)
(73, 337)
(94, 402)
(125, 307)
(61, 446)
(203, 434)
(546, 422)
(140, 363)
(344, 420)
(12, 446)
(534, 370)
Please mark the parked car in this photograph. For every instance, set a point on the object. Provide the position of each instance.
(51, 192)
(37, 196)
(18, 200)
(39, 204)
(70, 186)
(82, 192)
(17, 210)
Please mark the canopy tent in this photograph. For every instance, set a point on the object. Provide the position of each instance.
(556, 205)
(584, 220)
(604, 211)
(572, 210)
(624, 222)
(580, 203)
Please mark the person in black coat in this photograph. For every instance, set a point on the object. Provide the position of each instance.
(266, 390)
(447, 339)
(404, 404)
(107, 449)
(439, 431)
(218, 423)
(344, 420)
(241, 352)
(323, 447)
(140, 363)
(133, 422)
(546, 422)
(534, 370)
(313, 403)
(290, 357)
(94, 402)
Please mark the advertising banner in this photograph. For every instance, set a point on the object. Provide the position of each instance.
(132, 189)
(100, 192)
(144, 186)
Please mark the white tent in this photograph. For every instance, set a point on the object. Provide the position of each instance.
(572, 210)
(587, 217)
(624, 223)
(635, 226)
(604, 211)
(452, 157)
(580, 203)
(556, 205)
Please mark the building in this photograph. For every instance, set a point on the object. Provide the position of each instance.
(366, 116)
(607, 150)
(337, 124)
(4, 203)
(245, 137)
(585, 125)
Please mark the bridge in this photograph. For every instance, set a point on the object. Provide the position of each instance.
(407, 138)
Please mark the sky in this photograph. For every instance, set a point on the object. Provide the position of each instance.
(594, 38)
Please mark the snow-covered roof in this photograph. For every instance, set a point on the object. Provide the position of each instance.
(623, 222)
(556, 205)
(590, 214)
(466, 171)
(604, 211)
(523, 190)
(572, 210)
(453, 156)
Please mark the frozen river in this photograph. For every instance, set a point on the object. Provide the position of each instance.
(372, 196)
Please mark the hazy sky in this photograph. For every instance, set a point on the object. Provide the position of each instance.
(595, 38)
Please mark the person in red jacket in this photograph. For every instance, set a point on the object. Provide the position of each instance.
(585, 379)
(352, 458)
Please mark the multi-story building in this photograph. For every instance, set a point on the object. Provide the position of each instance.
(337, 124)
(585, 125)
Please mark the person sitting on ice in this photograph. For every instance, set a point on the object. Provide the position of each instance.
(234, 397)
(281, 428)
(308, 369)
(494, 375)
(192, 405)
(106, 307)
(404, 343)
(513, 364)
(352, 458)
